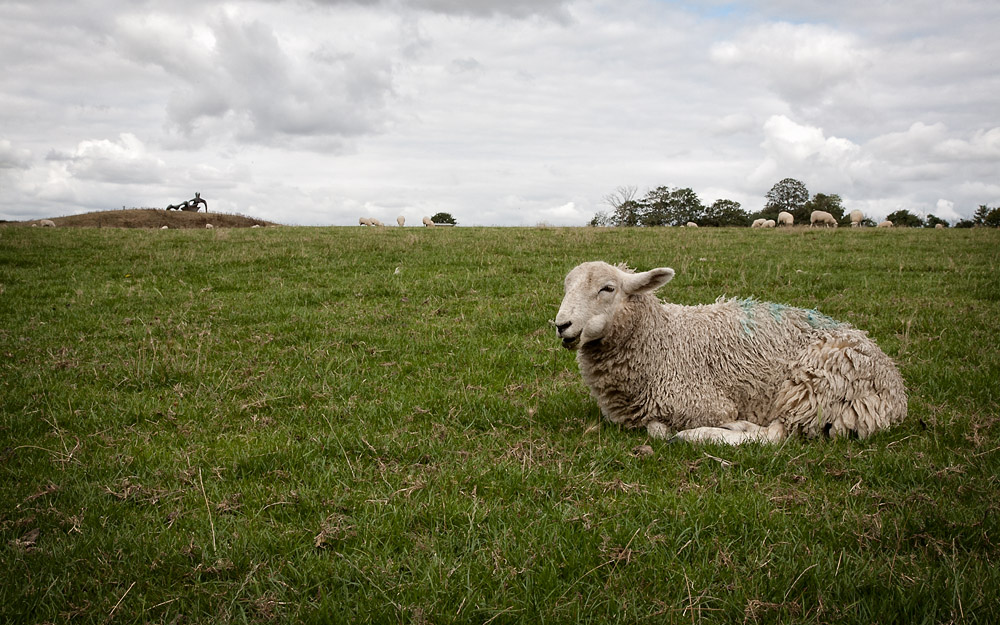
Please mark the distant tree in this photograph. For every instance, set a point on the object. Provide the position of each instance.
(665, 206)
(823, 202)
(724, 213)
(965, 223)
(624, 208)
(986, 216)
(932, 221)
(905, 219)
(443, 218)
(601, 219)
(787, 195)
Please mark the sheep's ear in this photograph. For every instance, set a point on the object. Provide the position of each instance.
(647, 281)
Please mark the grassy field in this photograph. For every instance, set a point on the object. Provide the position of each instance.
(353, 425)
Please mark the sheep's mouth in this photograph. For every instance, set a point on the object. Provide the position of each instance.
(571, 342)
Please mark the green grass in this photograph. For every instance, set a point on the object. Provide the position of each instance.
(276, 425)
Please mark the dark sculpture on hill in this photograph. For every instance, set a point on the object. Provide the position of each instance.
(191, 205)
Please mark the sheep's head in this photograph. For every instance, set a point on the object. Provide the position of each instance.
(594, 291)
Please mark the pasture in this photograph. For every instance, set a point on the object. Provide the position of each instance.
(379, 425)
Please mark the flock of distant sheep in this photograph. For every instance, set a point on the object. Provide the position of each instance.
(400, 221)
(817, 219)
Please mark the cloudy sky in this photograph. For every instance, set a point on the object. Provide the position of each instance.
(500, 112)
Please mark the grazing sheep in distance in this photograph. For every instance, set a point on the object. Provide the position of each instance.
(427, 222)
(732, 371)
(785, 219)
(164, 227)
(884, 224)
(47, 223)
(939, 226)
(364, 221)
(768, 224)
(691, 224)
(209, 227)
(376, 222)
(758, 223)
(856, 218)
(400, 221)
(822, 218)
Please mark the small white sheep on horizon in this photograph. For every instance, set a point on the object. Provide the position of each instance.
(47, 223)
(427, 222)
(758, 223)
(768, 224)
(856, 218)
(400, 221)
(733, 371)
(209, 226)
(885, 224)
(364, 221)
(785, 219)
(691, 224)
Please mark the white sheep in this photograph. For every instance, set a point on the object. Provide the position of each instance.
(691, 224)
(209, 226)
(400, 221)
(364, 221)
(939, 226)
(47, 223)
(427, 222)
(164, 227)
(785, 219)
(884, 224)
(758, 223)
(822, 218)
(376, 222)
(856, 218)
(732, 371)
(768, 224)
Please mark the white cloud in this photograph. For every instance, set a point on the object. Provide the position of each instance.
(124, 161)
(800, 61)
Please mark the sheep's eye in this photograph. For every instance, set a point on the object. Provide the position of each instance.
(607, 289)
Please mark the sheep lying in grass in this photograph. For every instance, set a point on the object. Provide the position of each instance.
(732, 371)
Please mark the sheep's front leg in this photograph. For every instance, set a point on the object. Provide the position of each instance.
(735, 433)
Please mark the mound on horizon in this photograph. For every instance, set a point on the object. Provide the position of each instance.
(153, 218)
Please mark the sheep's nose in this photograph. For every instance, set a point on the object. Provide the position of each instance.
(562, 327)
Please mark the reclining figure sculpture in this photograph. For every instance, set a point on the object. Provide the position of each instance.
(191, 205)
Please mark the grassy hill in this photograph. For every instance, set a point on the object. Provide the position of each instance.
(379, 425)
(151, 218)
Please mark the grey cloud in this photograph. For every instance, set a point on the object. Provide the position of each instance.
(555, 9)
(12, 157)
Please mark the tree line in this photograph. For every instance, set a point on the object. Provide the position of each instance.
(673, 206)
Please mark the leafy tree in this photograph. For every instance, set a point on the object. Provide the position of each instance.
(665, 206)
(933, 220)
(443, 218)
(601, 218)
(905, 219)
(787, 195)
(724, 213)
(986, 216)
(822, 202)
(965, 223)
